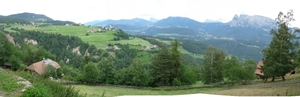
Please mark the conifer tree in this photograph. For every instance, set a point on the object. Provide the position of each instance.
(279, 56)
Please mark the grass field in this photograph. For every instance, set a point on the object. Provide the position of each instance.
(290, 87)
(97, 91)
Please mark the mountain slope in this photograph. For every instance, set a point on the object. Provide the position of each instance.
(31, 17)
(9, 20)
(38, 18)
(135, 22)
(92, 22)
(170, 31)
(179, 22)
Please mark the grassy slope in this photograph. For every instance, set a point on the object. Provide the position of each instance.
(258, 88)
(9, 86)
(100, 40)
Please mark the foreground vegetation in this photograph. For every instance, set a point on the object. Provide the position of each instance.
(291, 87)
(9, 84)
(13, 84)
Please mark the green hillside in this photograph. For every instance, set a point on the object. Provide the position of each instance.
(99, 39)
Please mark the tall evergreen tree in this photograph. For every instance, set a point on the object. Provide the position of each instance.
(279, 56)
(160, 68)
(212, 71)
(166, 66)
(175, 60)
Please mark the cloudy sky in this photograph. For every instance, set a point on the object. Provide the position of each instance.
(82, 11)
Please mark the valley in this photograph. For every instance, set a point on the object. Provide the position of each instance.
(171, 56)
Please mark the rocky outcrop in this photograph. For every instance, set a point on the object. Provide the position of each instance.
(10, 38)
(31, 41)
(77, 50)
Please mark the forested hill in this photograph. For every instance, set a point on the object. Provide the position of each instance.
(31, 17)
(10, 20)
(28, 18)
(65, 48)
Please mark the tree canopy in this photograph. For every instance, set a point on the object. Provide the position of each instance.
(279, 56)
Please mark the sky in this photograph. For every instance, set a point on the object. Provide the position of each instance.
(82, 11)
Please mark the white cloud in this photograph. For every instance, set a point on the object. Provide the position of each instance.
(200, 10)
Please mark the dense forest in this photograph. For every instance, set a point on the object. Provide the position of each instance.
(59, 45)
(9, 20)
(194, 46)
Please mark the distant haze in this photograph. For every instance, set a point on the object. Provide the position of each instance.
(82, 11)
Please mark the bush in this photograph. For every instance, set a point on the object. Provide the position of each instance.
(37, 91)
(22, 67)
(189, 76)
(57, 89)
(50, 72)
(176, 82)
(59, 72)
(90, 73)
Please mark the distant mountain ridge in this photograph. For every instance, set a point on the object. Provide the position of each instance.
(135, 21)
(34, 18)
(255, 21)
(31, 16)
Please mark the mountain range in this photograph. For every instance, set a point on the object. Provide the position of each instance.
(244, 36)
(243, 32)
(240, 27)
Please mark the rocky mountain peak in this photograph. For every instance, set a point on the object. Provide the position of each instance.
(255, 21)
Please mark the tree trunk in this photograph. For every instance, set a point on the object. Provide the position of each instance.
(273, 78)
(283, 78)
(265, 80)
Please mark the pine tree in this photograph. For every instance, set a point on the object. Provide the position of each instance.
(279, 56)
(166, 66)
(175, 60)
(107, 70)
(160, 71)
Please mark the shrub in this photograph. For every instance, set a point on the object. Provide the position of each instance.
(22, 67)
(57, 89)
(176, 82)
(50, 72)
(37, 91)
(90, 73)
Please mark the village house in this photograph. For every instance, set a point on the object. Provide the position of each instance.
(149, 47)
(40, 67)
